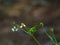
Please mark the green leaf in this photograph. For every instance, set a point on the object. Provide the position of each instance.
(52, 38)
(32, 30)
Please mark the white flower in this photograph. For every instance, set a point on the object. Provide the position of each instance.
(14, 29)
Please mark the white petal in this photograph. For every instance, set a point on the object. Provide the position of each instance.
(24, 25)
(14, 26)
(12, 29)
(17, 29)
(21, 26)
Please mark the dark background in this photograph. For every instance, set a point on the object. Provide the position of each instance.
(31, 12)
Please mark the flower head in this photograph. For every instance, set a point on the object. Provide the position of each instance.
(14, 29)
(41, 24)
(22, 25)
(52, 29)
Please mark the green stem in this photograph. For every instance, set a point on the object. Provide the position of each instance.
(54, 37)
(33, 37)
(50, 38)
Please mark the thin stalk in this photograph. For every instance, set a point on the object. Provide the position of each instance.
(33, 37)
(54, 37)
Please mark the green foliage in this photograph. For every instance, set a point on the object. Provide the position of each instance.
(32, 30)
(50, 37)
